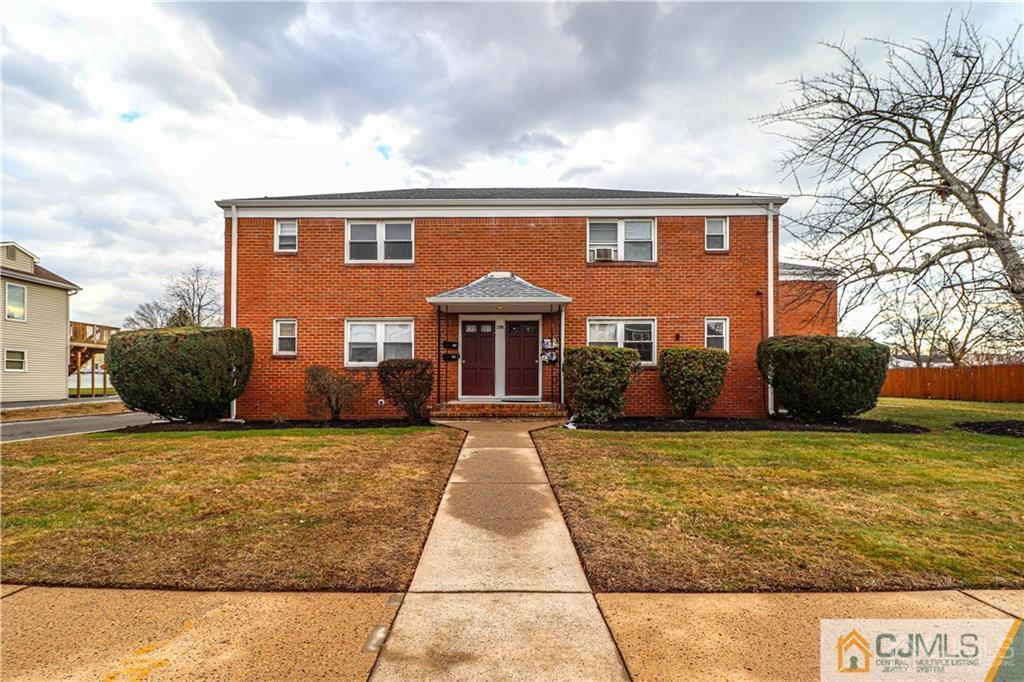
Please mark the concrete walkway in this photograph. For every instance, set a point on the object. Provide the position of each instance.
(499, 591)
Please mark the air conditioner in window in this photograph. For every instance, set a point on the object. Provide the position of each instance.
(604, 254)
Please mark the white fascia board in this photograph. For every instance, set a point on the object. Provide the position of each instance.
(449, 204)
(381, 212)
(476, 300)
(9, 273)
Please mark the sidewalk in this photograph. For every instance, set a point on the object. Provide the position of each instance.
(499, 591)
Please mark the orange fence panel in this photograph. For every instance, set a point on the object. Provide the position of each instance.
(993, 383)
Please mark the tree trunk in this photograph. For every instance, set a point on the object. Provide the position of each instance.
(1013, 266)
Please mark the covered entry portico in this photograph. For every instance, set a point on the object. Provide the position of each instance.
(499, 340)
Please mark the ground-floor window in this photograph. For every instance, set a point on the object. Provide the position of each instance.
(15, 360)
(716, 332)
(286, 336)
(367, 342)
(637, 333)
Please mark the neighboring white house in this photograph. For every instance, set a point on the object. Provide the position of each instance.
(34, 331)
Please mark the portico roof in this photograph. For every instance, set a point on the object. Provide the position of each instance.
(496, 290)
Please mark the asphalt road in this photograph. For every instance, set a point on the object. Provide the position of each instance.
(67, 426)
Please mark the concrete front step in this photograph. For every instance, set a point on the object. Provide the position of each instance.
(473, 410)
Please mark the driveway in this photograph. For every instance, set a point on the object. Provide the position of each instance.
(68, 426)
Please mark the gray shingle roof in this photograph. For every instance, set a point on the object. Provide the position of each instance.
(799, 270)
(496, 193)
(499, 286)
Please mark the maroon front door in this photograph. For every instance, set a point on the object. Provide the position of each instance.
(478, 358)
(522, 353)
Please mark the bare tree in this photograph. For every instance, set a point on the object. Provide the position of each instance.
(196, 291)
(149, 315)
(915, 167)
(191, 298)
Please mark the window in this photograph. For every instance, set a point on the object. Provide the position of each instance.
(716, 332)
(716, 234)
(15, 360)
(380, 242)
(16, 302)
(286, 235)
(286, 337)
(367, 342)
(624, 333)
(12, 253)
(628, 240)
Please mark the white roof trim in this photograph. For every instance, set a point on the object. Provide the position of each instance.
(21, 248)
(434, 204)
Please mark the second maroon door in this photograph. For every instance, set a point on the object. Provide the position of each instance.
(521, 357)
(478, 358)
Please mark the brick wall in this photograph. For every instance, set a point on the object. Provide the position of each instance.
(317, 288)
(806, 307)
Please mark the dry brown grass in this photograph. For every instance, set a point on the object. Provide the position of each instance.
(763, 511)
(67, 410)
(299, 509)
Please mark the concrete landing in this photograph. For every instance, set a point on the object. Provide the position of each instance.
(499, 591)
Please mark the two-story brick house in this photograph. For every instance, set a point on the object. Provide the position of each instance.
(492, 284)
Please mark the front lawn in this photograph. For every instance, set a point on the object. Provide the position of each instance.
(781, 511)
(296, 509)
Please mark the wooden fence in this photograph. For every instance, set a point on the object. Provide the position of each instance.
(996, 383)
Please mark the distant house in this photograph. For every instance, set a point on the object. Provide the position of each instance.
(34, 328)
(491, 284)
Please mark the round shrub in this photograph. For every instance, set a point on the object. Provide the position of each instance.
(693, 377)
(407, 382)
(824, 378)
(596, 379)
(188, 373)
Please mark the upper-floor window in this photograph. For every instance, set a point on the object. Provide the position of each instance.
(389, 241)
(286, 235)
(286, 337)
(15, 360)
(16, 300)
(716, 332)
(716, 234)
(637, 333)
(367, 342)
(628, 240)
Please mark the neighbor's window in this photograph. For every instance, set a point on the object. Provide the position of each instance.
(389, 241)
(367, 342)
(286, 337)
(716, 234)
(286, 235)
(716, 332)
(15, 360)
(627, 240)
(624, 333)
(16, 300)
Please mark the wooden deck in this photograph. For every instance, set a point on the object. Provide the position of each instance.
(88, 343)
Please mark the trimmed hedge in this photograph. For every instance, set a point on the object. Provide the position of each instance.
(693, 377)
(596, 379)
(408, 383)
(186, 373)
(824, 378)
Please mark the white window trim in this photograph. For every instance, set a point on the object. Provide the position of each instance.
(620, 333)
(277, 335)
(380, 242)
(621, 238)
(7, 296)
(725, 346)
(277, 235)
(380, 322)
(19, 350)
(725, 233)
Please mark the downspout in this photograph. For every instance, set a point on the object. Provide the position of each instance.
(234, 277)
(561, 355)
(771, 293)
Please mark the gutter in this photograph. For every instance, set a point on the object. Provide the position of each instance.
(494, 203)
(771, 294)
(234, 279)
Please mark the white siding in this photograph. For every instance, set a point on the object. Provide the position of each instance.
(44, 335)
(21, 261)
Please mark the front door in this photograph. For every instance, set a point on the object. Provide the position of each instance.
(522, 353)
(478, 358)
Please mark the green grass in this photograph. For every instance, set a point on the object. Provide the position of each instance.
(308, 509)
(798, 510)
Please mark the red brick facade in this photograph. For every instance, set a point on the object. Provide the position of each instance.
(807, 307)
(316, 287)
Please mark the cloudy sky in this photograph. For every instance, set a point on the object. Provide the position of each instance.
(123, 123)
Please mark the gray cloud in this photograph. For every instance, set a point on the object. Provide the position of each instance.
(42, 78)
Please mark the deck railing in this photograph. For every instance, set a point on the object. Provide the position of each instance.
(93, 334)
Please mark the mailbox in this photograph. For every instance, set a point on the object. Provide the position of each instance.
(448, 357)
(450, 344)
